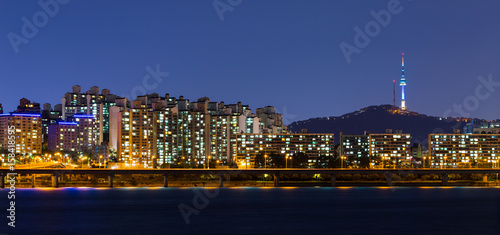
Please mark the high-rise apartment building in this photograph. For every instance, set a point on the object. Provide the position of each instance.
(144, 135)
(177, 131)
(28, 132)
(138, 135)
(223, 132)
(77, 134)
(90, 103)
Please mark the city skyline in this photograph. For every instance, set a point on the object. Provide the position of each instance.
(156, 131)
(249, 116)
(285, 118)
(442, 66)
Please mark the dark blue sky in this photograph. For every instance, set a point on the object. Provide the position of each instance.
(281, 53)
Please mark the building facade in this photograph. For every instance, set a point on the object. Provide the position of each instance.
(464, 150)
(28, 129)
(390, 150)
(355, 149)
(78, 134)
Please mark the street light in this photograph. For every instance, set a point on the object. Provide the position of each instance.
(265, 161)
(286, 161)
(81, 159)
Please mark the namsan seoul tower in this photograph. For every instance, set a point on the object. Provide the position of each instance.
(402, 83)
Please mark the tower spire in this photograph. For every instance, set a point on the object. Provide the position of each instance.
(402, 83)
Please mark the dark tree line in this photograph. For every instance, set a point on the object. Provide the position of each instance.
(298, 160)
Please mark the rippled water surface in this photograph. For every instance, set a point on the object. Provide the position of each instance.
(349, 210)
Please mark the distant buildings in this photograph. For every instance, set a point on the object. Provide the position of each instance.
(273, 122)
(418, 155)
(26, 106)
(464, 150)
(482, 127)
(28, 132)
(49, 116)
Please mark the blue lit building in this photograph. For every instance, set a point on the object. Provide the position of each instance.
(78, 133)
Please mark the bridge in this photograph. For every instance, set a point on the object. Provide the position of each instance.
(388, 173)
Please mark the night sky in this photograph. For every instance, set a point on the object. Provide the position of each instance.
(281, 53)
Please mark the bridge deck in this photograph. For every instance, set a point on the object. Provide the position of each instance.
(4, 171)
